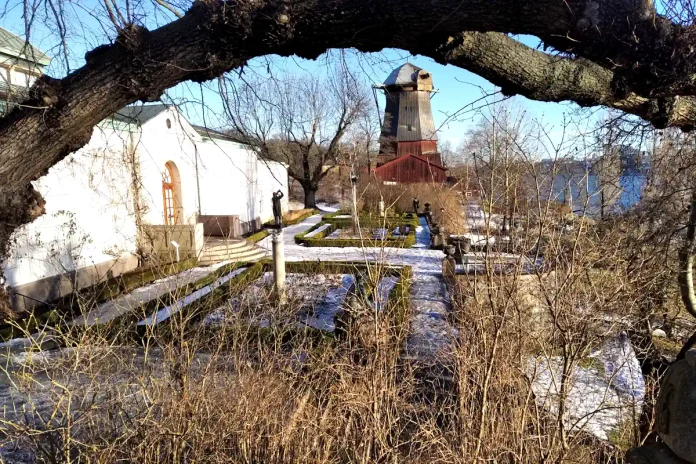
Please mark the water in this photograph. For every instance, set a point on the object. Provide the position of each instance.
(586, 194)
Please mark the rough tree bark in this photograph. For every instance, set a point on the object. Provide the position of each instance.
(310, 196)
(686, 261)
(628, 57)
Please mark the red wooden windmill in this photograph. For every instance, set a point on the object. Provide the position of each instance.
(408, 143)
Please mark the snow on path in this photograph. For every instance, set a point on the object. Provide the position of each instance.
(420, 259)
(431, 336)
(113, 309)
(431, 332)
(422, 234)
(168, 311)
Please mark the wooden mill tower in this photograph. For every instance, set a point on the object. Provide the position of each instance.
(408, 143)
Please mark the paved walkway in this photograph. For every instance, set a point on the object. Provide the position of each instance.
(419, 258)
(431, 334)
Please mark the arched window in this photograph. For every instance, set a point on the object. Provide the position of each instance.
(171, 194)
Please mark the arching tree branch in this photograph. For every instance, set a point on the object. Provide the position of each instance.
(519, 69)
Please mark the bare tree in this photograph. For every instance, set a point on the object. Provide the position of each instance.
(449, 156)
(300, 121)
(498, 147)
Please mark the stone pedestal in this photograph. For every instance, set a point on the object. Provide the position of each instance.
(449, 265)
(279, 266)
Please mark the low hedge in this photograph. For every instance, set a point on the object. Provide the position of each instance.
(307, 214)
(391, 240)
(300, 238)
(289, 220)
(198, 310)
(258, 236)
(72, 304)
(390, 220)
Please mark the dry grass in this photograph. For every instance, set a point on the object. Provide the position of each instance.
(399, 198)
(246, 394)
(240, 395)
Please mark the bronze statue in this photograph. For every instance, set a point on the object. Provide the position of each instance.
(277, 210)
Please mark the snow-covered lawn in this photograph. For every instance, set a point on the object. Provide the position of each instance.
(113, 309)
(602, 397)
(312, 300)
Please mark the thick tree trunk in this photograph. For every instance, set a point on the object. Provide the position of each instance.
(686, 261)
(310, 194)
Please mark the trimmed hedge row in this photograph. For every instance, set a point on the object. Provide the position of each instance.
(391, 240)
(389, 221)
(72, 304)
(302, 217)
(258, 236)
(199, 309)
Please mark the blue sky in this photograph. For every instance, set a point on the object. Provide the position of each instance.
(458, 88)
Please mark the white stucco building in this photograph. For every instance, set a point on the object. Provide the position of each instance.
(147, 177)
(20, 65)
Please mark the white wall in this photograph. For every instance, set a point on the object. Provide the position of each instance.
(272, 177)
(158, 145)
(233, 181)
(89, 213)
(90, 205)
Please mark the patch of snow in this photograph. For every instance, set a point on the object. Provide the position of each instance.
(383, 290)
(343, 216)
(599, 399)
(335, 234)
(318, 230)
(165, 313)
(422, 234)
(379, 234)
(16, 343)
(431, 335)
(328, 208)
(320, 297)
(112, 309)
(326, 310)
(659, 333)
(622, 367)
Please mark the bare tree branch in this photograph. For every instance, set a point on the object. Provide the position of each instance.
(519, 69)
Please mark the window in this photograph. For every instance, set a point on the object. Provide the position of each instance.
(4, 75)
(410, 128)
(171, 194)
(169, 123)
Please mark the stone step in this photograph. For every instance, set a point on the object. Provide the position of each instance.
(225, 244)
(228, 252)
(249, 255)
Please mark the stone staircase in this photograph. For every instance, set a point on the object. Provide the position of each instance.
(218, 249)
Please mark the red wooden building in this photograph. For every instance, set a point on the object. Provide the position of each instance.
(408, 143)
